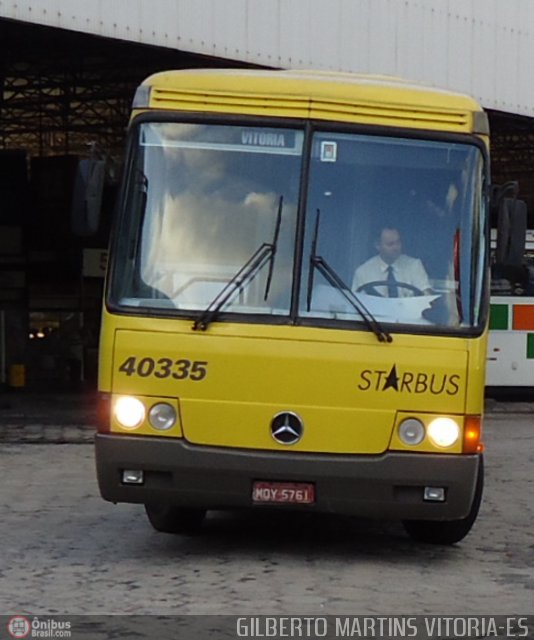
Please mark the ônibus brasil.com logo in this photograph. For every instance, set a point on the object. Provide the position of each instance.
(18, 627)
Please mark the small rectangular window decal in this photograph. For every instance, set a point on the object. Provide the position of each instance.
(328, 151)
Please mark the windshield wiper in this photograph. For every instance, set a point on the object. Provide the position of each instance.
(319, 263)
(274, 246)
(266, 252)
(140, 189)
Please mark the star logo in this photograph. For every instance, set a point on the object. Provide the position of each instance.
(286, 427)
(392, 381)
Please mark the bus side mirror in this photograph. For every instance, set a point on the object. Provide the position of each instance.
(87, 197)
(511, 224)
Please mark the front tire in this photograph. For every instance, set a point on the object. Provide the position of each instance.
(448, 532)
(172, 519)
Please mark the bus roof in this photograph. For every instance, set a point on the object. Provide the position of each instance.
(320, 95)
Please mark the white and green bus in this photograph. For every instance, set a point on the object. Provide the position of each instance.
(510, 359)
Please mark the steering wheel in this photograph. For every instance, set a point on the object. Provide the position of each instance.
(369, 288)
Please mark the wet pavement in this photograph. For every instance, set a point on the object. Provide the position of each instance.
(70, 418)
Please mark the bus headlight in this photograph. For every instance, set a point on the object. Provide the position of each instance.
(129, 412)
(411, 431)
(162, 416)
(443, 432)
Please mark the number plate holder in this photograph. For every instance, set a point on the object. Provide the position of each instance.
(268, 492)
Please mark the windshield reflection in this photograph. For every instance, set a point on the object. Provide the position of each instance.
(400, 222)
(214, 197)
(400, 227)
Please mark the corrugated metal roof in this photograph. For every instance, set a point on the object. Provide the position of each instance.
(481, 47)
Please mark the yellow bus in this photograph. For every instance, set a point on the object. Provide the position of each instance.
(252, 355)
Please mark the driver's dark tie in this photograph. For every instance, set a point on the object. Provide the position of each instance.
(393, 289)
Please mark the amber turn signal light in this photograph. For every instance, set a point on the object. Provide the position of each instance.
(472, 435)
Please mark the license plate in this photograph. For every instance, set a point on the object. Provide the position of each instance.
(283, 492)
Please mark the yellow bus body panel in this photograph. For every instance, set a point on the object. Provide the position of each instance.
(348, 389)
(335, 97)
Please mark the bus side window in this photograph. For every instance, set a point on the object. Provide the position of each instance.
(507, 280)
(529, 259)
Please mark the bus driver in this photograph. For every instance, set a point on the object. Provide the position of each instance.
(391, 273)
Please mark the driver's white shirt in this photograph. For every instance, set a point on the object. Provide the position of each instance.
(405, 269)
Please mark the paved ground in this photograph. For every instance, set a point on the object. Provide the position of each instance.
(66, 551)
(47, 418)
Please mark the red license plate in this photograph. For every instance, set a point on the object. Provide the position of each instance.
(283, 492)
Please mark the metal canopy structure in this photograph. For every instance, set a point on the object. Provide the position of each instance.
(69, 69)
(63, 92)
(512, 143)
(480, 47)
(63, 95)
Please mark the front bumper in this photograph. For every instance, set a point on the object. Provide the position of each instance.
(390, 485)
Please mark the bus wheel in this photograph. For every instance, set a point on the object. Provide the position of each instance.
(448, 531)
(171, 519)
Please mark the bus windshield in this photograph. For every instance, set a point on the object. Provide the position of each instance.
(398, 221)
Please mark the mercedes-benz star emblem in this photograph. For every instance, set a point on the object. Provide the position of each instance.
(286, 428)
